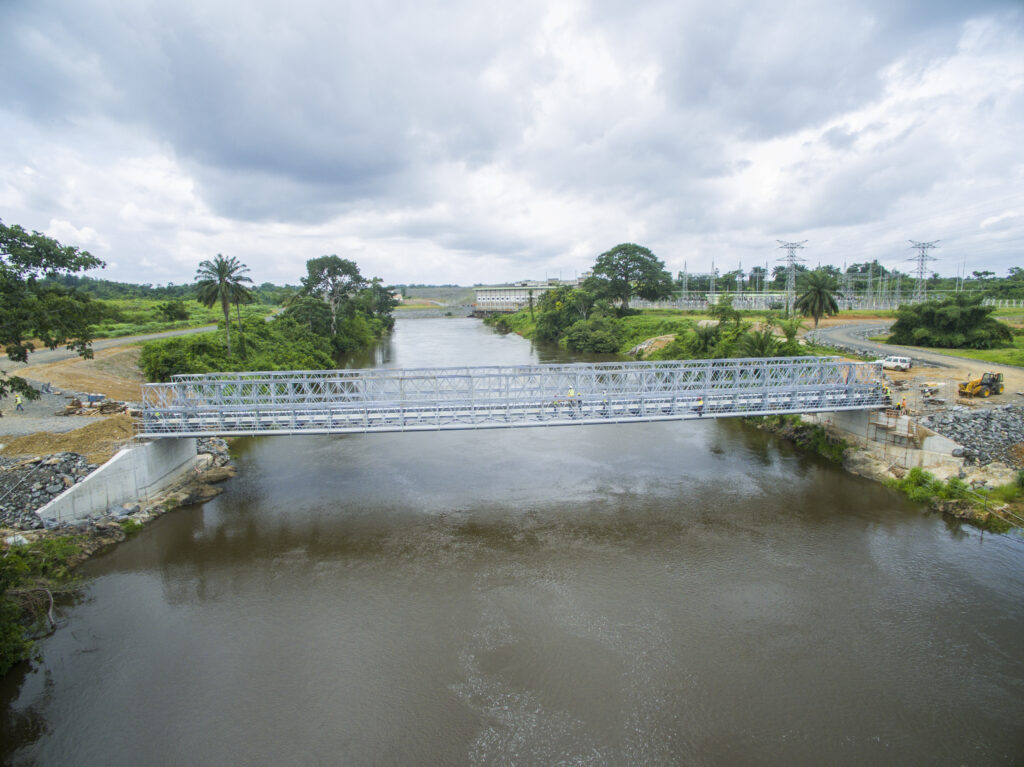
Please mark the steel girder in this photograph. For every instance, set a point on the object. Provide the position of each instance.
(345, 401)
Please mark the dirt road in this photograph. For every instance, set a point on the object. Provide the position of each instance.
(947, 367)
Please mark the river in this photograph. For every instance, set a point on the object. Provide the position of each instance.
(673, 593)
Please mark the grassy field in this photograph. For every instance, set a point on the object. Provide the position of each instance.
(136, 316)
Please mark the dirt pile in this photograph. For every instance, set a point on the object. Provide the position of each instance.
(113, 372)
(97, 442)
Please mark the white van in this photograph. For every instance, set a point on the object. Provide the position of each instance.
(897, 363)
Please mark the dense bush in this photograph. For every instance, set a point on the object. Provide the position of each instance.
(25, 571)
(602, 335)
(173, 310)
(960, 322)
(282, 344)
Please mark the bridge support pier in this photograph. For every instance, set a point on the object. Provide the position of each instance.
(134, 474)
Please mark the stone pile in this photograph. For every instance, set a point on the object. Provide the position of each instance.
(987, 435)
(216, 448)
(29, 485)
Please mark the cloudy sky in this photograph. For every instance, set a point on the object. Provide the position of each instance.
(479, 142)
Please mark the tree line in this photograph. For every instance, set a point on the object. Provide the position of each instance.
(45, 300)
(590, 317)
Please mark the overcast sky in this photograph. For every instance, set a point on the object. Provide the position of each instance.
(475, 142)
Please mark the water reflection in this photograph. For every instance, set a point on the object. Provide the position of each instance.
(689, 592)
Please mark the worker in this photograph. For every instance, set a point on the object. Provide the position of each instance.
(903, 405)
(573, 399)
(700, 406)
(17, 403)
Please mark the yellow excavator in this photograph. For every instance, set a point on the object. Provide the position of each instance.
(988, 384)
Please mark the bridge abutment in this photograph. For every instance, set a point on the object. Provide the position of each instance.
(133, 474)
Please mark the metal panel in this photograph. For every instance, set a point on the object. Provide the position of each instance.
(347, 401)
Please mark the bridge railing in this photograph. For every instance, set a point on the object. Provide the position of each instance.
(385, 399)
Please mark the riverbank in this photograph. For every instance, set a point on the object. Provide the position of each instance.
(988, 495)
(37, 557)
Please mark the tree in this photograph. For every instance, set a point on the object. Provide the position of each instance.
(34, 304)
(705, 338)
(759, 343)
(629, 270)
(817, 295)
(220, 280)
(173, 310)
(333, 280)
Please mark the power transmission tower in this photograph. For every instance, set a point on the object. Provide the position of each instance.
(714, 273)
(791, 258)
(922, 258)
(739, 281)
(685, 280)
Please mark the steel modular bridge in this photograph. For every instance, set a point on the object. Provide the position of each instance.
(432, 399)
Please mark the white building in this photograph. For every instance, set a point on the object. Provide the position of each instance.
(512, 298)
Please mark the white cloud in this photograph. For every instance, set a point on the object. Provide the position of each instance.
(468, 143)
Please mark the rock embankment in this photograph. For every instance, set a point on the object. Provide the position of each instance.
(991, 434)
(28, 485)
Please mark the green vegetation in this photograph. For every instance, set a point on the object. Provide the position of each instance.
(959, 322)
(808, 436)
(130, 526)
(923, 487)
(266, 293)
(33, 307)
(336, 312)
(30, 575)
(585, 319)
(139, 316)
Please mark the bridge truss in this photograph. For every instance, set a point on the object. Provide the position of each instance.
(431, 399)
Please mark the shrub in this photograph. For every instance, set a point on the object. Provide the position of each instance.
(959, 322)
(602, 336)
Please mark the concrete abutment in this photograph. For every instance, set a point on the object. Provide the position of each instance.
(133, 474)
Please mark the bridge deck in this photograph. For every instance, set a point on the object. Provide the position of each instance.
(431, 399)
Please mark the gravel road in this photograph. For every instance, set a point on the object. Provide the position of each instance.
(39, 416)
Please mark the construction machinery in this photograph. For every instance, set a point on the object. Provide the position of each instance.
(987, 385)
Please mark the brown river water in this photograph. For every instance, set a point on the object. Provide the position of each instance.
(692, 593)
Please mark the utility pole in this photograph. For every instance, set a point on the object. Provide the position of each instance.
(922, 258)
(791, 258)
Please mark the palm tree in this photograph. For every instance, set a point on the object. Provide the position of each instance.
(759, 343)
(818, 296)
(219, 280)
(704, 338)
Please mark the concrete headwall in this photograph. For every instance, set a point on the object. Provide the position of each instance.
(856, 427)
(131, 475)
